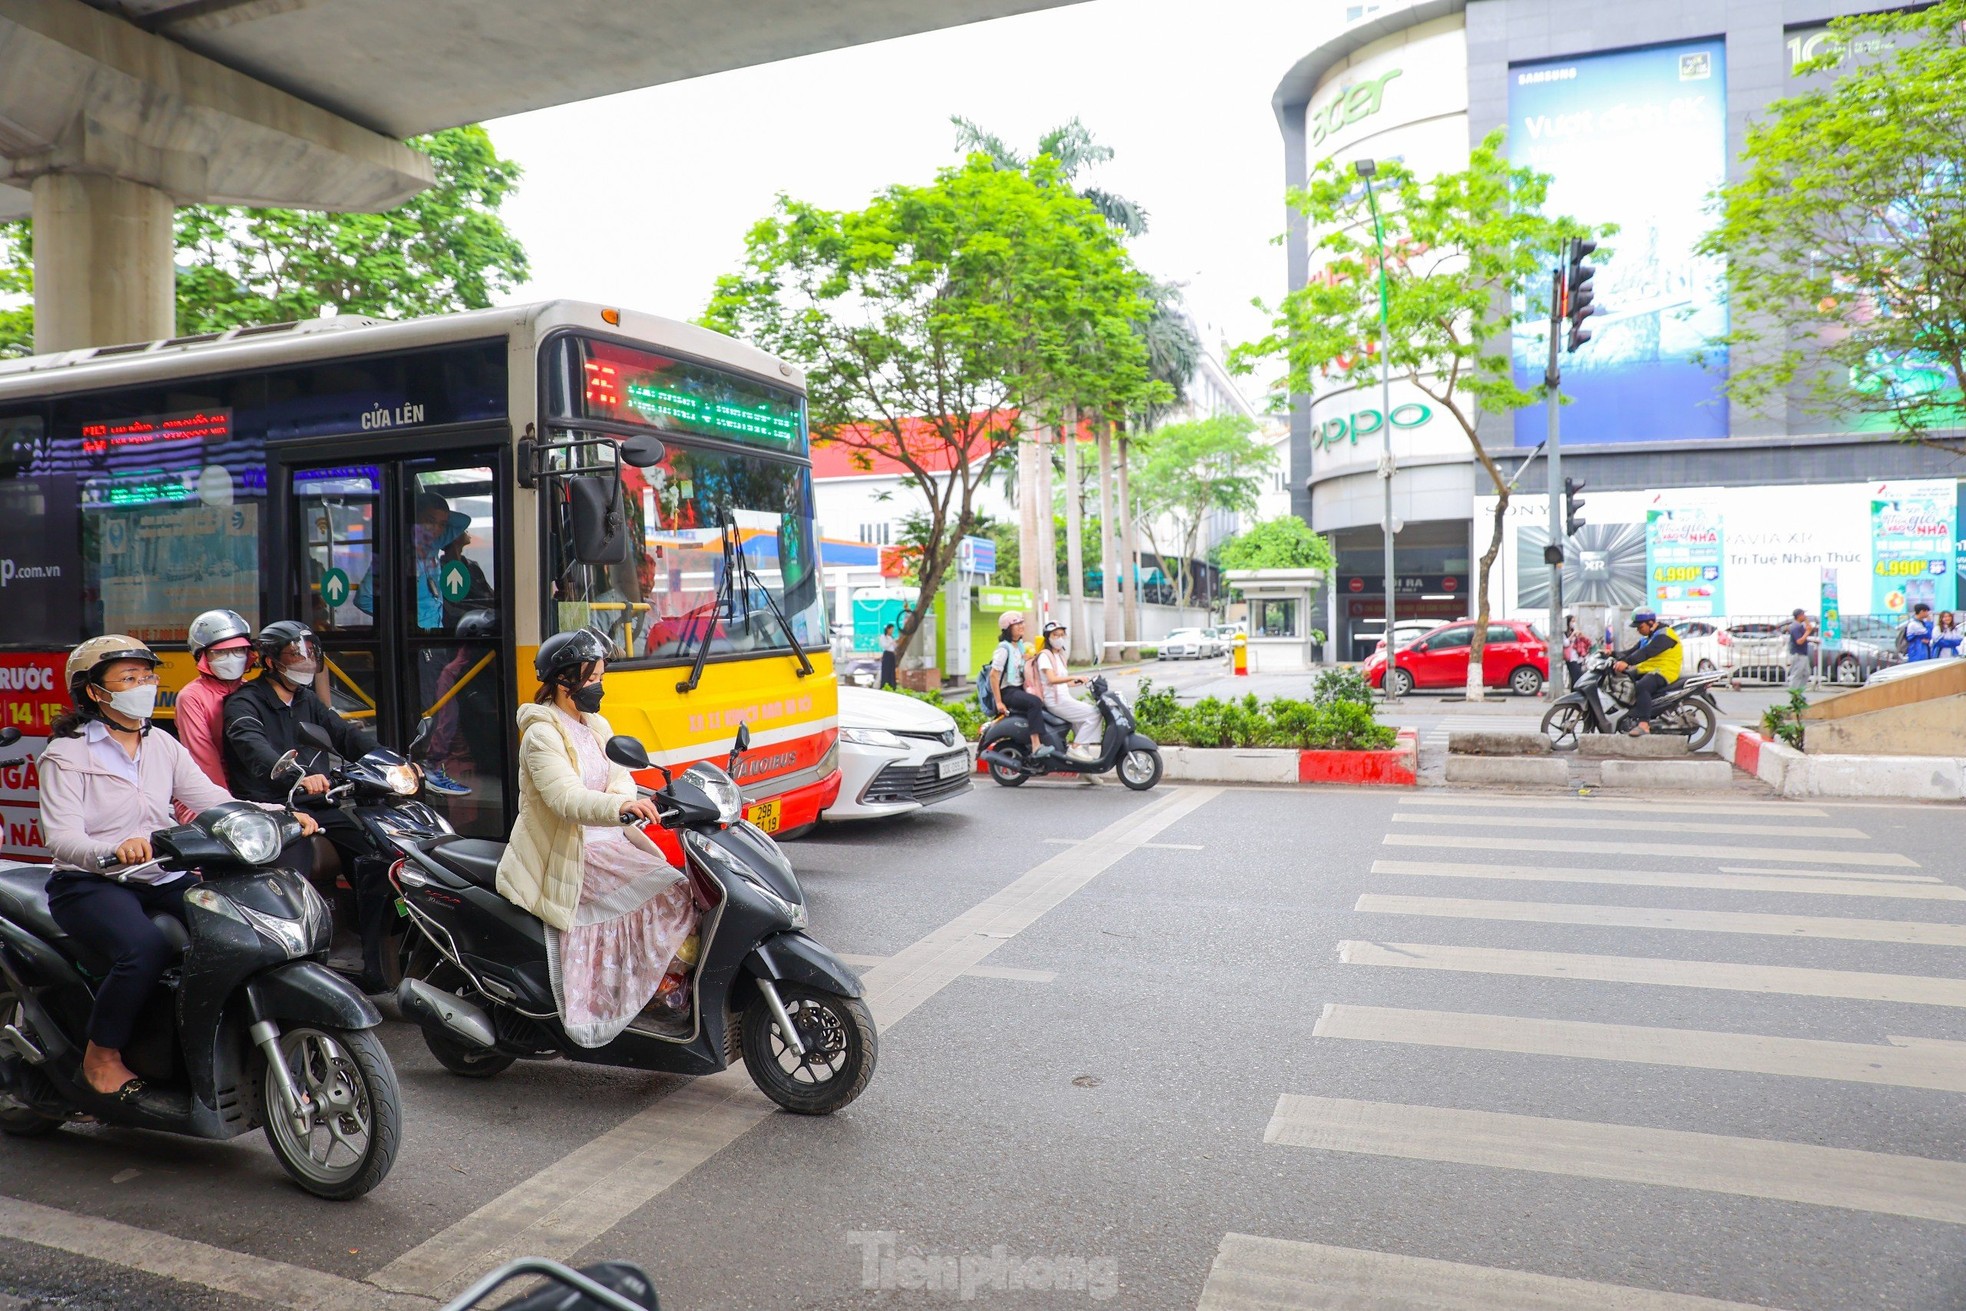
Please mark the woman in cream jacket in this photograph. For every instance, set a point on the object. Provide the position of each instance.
(615, 911)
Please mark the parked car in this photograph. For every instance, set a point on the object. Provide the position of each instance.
(1184, 644)
(897, 754)
(1868, 647)
(1409, 631)
(1701, 640)
(1755, 649)
(1515, 657)
(1221, 638)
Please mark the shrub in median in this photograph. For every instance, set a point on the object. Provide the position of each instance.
(1334, 719)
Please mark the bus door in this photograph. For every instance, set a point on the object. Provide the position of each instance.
(398, 568)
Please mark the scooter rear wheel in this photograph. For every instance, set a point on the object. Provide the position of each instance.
(1563, 723)
(1009, 778)
(425, 962)
(841, 1048)
(18, 1120)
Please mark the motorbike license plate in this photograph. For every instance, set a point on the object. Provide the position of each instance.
(951, 766)
(766, 815)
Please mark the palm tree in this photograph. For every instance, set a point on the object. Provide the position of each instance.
(1073, 146)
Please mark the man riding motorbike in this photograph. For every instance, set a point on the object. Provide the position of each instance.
(1654, 662)
(107, 783)
(262, 723)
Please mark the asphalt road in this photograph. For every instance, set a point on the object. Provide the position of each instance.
(1204, 1048)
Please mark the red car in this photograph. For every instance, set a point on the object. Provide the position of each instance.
(1515, 657)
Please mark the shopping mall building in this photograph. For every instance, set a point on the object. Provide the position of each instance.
(1696, 504)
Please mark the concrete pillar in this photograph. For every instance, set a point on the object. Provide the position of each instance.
(103, 271)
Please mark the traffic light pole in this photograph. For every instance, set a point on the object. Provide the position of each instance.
(1553, 453)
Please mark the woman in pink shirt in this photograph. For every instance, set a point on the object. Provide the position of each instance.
(107, 783)
(221, 643)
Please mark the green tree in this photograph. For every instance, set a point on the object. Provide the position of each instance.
(1191, 471)
(1286, 543)
(1846, 234)
(1463, 251)
(931, 319)
(445, 249)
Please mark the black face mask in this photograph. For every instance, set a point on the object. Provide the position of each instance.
(587, 698)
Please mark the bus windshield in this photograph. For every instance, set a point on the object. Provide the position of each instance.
(662, 603)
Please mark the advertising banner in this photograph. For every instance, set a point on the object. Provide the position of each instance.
(1685, 559)
(1637, 138)
(35, 696)
(41, 573)
(1912, 534)
(1830, 610)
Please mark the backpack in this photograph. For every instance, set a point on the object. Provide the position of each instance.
(984, 701)
(1904, 637)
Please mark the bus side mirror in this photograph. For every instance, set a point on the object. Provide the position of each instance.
(600, 530)
(643, 452)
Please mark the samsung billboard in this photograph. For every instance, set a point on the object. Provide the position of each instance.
(1636, 138)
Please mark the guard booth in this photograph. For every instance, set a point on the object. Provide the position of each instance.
(1281, 635)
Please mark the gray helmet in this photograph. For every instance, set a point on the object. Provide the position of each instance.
(215, 626)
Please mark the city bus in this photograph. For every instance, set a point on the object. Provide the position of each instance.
(435, 498)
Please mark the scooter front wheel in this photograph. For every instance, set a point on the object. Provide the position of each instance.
(345, 1139)
(1140, 769)
(840, 1049)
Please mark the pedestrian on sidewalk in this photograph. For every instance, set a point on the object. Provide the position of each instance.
(1798, 649)
(1916, 639)
(889, 652)
(1945, 642)
(1576, 649)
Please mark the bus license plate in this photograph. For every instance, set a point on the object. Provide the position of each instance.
(951, 766)
(766, 816)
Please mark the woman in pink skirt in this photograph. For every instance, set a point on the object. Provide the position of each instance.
(615, 911)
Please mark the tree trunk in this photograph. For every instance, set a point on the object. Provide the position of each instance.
(1047, 539)
(1081, 640)
(1027, 511)
(1478, 640)
(1129, 554)
(1111, 611)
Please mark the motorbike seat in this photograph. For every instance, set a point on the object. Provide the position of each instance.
(473, 859)
(24, 900)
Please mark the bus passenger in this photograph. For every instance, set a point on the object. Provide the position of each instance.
(107, 783)
(262, 723)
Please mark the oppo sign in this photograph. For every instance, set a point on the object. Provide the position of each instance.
(1363, 423)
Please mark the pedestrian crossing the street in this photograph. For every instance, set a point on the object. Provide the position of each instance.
(1726, 900)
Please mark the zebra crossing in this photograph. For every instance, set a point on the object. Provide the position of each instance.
(1710, 909)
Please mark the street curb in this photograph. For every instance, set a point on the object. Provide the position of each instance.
(1514, 771)
(1665, 773)
(1885, 778)
(1394, 768)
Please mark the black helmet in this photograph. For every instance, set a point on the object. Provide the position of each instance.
(277, 637)
(569, 651)
(478, 623)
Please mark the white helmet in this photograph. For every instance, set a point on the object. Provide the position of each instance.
(215, 626)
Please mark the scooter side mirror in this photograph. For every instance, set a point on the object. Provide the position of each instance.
(424, 728)
(287, 764)
(9, 735)
(317, 736)
(627, 752)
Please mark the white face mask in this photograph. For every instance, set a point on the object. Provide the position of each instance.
(299, 675)
(134, 702)
(1057, 643)
(227, 666)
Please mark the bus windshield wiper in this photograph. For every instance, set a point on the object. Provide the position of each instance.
(737, 569)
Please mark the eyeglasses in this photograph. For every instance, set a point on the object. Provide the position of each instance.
(131, 680)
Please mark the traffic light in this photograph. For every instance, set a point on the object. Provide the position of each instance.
(1578, 293)
(1573, 507)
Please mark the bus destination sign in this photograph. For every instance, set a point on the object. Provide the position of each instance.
(151, 430)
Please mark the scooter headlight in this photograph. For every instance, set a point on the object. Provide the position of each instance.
(720, 862)
(252, 834)
(401, 779)
(718, 786)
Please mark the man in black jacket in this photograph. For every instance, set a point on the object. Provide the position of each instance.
(262, 723)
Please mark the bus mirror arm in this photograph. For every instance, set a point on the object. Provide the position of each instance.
(743, 564)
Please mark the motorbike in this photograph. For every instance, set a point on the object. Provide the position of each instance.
(1685, 709)
(604, 1286)
(251, 1030)
(761, 989)
(380, 792)
(1005, 746)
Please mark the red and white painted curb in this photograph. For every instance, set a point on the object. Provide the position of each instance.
(1798, 774)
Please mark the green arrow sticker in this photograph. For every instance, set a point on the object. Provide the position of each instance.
(334, 587)
(455, 581)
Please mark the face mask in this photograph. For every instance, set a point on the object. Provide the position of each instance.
(135, 702)
(299, 675)
(587, 698)
(227, 667)
(1057, 644)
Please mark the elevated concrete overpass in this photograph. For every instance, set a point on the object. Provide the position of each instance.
(114, 112)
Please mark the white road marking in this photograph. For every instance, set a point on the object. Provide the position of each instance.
(980, 972)
(1826, 873)
(1788, 980)
(1935, 1063)
(1669, 1158)
(1688, 850)
(1480, 802)
(1651, 824)
(1917, 932)
(191, 1262)
(1827, 884)
(579, 1198)
(1144, 846)
(1275, 1274)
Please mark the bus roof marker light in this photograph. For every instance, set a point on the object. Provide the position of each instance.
(611, 317)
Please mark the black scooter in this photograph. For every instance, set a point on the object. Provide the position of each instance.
(478, 987)
(1601, 702)
(1005, 746)
(250, 1030)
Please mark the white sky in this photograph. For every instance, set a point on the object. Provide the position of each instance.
(643, 199)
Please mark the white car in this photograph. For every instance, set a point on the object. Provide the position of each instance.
(897, 755)
(1185, 644)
